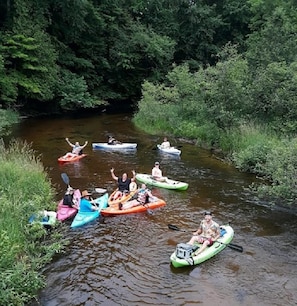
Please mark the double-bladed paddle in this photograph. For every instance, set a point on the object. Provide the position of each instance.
(65, 178)
(232, 246)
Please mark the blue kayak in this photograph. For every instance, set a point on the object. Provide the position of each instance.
(46, 218)
(83, 218)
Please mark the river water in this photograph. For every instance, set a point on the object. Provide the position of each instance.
(125, 260)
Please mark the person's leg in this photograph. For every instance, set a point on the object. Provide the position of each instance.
(205, 244)
(130, 204)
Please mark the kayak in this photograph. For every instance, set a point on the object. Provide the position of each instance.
(70, 158)
(184, 253)
(83, 218)
(65, 212)
(47, 221)
(171, 150)
(168, 184)
(119, 146)
(114, 210)
(122, 199)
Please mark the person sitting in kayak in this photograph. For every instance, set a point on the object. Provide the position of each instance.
(157, 173)
(165, 144)
(77, 149)
(123, 183)
(143, 195)
(113, 141)
(69, 199)
(86, 203)
(207, 233)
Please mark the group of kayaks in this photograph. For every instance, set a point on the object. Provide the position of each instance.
(114, 147)
(184, 254)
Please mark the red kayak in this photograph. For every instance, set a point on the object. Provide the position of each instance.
(114, 210)
(70, 157)
(65, 212)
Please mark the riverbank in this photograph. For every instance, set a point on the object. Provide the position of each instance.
(24, 248)
(250, 149)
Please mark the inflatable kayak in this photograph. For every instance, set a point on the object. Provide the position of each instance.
(83, 218)
(69, 157)
(168, 184)
(124, 198)
(184, 254)
(171, 150)
(65, 212)
(121, 146)
(114, 211)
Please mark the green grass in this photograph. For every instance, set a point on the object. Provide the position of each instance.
(24, 248)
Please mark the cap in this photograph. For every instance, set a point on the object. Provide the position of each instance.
(157, 163)
(207, 213)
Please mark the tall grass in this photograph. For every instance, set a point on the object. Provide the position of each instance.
(24, 190)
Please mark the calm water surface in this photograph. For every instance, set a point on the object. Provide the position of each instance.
(125, 260)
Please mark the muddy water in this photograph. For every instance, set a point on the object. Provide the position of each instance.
(125, 260)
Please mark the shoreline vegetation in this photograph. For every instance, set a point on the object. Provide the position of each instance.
(24, 248)
(214, 107)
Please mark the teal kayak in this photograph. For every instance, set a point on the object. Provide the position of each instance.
(83, 218)
(168, 184)
(184, 254)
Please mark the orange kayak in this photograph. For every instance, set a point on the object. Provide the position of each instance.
(70, 158)
(114, 210)
(122, 199)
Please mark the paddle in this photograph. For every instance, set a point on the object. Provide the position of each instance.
(65, 178)
(232, 246)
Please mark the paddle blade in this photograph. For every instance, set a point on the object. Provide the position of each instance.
(100, 190)
(173, 227)
(65, 178)
(235, 247)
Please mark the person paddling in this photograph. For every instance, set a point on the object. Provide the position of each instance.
(207, 233)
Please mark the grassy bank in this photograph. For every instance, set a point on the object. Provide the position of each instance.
(249, 147)
(24, 249)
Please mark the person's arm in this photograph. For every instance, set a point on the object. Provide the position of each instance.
(113, 175)
(84, 145)
(134, 176)
(218, 234)
(71, 144)
(199, 231)
(154, 172)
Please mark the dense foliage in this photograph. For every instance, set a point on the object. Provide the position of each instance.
(24, 248)
(245, 104)
(80, 54)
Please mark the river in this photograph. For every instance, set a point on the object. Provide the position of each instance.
(125, 260)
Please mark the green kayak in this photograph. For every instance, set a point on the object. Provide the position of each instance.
(168, 184)
(184, 254)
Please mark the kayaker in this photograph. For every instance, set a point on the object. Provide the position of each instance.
(123, 183)
(69, 199)
(157, 173)
(165, 144)
(207, 233)
(143, 195)
(112, 141)
(76, 148)
(86, 204)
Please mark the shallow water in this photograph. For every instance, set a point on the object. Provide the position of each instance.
(125, 260)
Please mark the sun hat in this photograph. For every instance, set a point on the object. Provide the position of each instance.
(209, 213)
(85, 193)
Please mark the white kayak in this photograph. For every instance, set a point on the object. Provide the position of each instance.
(121, 146)
(171, 150)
